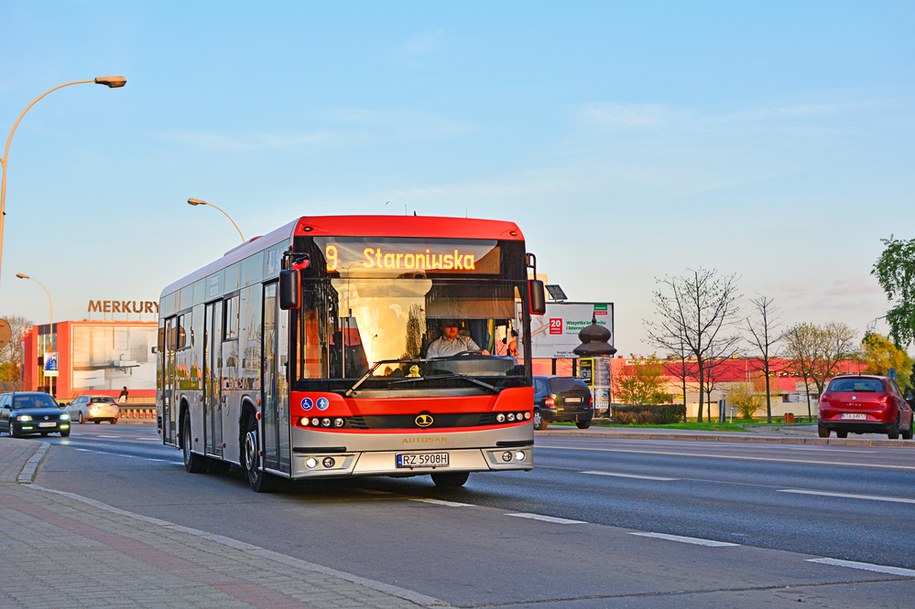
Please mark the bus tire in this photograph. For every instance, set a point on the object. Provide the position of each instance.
(450, 480)
(260, 481)
(193, 463)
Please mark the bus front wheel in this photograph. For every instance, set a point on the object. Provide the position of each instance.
(450, 480)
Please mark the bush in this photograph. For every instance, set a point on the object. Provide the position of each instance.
(661, 414)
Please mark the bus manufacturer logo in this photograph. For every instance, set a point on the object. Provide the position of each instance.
(424, 420)
(323, 404)
(307, 404)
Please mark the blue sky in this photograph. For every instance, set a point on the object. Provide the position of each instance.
(629, 140)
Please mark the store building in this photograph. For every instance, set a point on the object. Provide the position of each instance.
(72, 358)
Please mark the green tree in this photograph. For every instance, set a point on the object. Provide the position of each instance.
(895, 270)
(745, 400)
(642, 383)
(879, 354)
(11, 353)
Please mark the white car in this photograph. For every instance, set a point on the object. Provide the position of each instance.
(95, 408)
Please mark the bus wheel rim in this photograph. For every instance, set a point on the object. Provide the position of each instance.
(251, 450)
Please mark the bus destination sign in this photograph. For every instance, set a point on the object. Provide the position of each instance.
(393, 257)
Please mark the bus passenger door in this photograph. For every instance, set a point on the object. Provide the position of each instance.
(272, 427)
(169, 371)
(212, 409)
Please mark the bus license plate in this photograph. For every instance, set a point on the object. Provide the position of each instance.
(47, 424)
(422, 460)
(858, 416)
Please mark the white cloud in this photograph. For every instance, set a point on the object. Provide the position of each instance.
(416, 50)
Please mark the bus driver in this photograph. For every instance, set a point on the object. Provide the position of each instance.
(451, 342)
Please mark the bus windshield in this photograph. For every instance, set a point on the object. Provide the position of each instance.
(348, 325)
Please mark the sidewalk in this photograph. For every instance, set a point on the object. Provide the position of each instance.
(763, 434)
(60, 550)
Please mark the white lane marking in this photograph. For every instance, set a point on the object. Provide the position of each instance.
(616, 475)
(109, 437)
(864, 566)
(798, 491)
(731, 457)
(444, 503)
(543, 518)
(692, 540)
(829, 450)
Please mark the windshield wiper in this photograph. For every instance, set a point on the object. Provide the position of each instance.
(452, 375)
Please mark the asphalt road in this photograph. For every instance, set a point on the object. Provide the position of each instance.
(599, 522)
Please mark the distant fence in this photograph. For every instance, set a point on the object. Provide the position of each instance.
(138, 412)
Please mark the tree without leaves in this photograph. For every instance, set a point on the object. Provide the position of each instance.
(895, 270)
(718, 355)
(764, 336)
(695, 312)
(816, 352)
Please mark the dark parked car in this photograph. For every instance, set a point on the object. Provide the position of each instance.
(864, 404)
(562, 398)
(28, 412)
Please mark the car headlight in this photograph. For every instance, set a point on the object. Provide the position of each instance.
(64, 417)
(24, 417)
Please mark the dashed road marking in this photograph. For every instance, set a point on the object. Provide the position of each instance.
(638, 477)
(696, 541)
(443, 502)
(799, 491)
(551, 519)
(864, 566)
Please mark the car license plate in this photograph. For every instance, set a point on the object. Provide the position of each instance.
(422, 460)
(857, 416)
(49, 424)
(573, 400)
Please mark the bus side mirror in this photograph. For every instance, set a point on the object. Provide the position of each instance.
(289, 290)
(537, 296)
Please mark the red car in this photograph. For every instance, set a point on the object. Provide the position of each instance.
(864, 404)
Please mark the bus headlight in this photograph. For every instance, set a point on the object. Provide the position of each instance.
(311, 463)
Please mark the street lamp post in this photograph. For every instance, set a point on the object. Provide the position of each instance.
(196, 202)
(112, 82)
(50, 320)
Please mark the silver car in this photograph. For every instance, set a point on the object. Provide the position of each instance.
(95, 408)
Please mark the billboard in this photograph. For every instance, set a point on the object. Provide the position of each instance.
(110, 357)
(555, 333)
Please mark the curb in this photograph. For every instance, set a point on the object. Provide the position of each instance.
(27, 474)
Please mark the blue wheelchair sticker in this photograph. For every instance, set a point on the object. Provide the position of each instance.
(307, 404)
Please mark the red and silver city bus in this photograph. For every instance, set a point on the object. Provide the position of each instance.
(304, 353)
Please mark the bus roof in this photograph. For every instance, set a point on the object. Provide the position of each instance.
(439, 227)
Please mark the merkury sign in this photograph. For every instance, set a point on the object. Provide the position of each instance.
(124, 306)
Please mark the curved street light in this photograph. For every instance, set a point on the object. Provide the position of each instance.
(196, 202)
(50, 319)
(112, 82)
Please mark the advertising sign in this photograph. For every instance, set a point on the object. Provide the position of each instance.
(586, 370)
(50, 363)
(555, 333)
